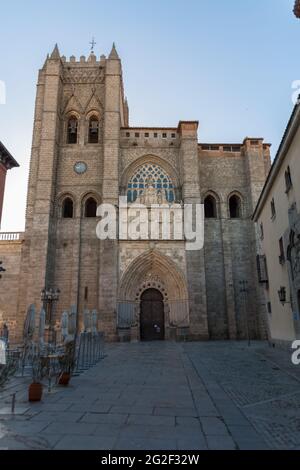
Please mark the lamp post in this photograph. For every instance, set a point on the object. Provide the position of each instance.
(48, 298)
(244, 292)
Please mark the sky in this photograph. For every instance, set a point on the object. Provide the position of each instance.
(228, 64)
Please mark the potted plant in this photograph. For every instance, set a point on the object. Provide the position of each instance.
(35, 391)
(67, 363)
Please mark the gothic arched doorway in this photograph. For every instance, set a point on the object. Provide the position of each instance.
(152, 320)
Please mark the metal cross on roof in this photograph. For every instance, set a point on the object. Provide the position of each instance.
(93, 44)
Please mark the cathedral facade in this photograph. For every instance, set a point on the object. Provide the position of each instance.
(84, 154)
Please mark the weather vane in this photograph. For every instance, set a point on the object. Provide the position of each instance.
(93, 44)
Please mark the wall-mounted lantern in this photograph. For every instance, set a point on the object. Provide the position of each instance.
(282, 296)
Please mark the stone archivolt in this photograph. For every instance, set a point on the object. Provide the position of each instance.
(157, 265)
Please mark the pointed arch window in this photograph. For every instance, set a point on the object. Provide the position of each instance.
(210, 207)
(67, 208)
(160, 180)
(235, 207)
(90, 209)
(93, 130)
(72, 130)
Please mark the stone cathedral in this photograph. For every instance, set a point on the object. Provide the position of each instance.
(85, 153)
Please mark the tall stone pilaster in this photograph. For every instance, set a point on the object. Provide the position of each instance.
(38, 253)
(194, 259)
(108, 276)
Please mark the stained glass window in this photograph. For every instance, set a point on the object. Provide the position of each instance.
(158, 178)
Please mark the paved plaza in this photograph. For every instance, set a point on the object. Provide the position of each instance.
(165, 396)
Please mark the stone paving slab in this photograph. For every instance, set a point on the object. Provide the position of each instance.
(110, 418)
(86, 443)
(160, 396)
(137, 410)
(176, 411)
(136, 443)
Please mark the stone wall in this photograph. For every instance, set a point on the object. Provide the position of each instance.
(10, 254)
(66, 253)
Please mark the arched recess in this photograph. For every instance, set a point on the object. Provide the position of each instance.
(72, 127)
(64, 200)
(155, 160)
(211, 201)
(235, 203)
(155, 270)
(85, 199)
(93, 130)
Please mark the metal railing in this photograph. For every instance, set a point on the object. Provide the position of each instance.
(90, 350)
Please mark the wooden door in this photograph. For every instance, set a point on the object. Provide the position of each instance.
(152, 316)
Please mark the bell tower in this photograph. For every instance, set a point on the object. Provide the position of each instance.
(80, 108)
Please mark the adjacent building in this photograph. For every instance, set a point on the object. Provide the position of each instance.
(6, 163)
(277, 216)
(85, 152)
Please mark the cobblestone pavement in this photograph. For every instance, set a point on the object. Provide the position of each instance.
(165, 396)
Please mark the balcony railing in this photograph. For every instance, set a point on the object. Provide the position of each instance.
(10, 236)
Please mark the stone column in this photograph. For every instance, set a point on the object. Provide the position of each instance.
(109, 269)
(39, 247)
(257, 164)
(189, 163)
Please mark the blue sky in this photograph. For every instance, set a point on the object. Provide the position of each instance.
(229, 64)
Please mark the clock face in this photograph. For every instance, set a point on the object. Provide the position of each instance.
(80, 168)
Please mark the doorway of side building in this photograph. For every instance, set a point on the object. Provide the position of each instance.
(152, 319)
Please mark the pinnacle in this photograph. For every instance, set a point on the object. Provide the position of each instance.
(113, 54)
(55, 53)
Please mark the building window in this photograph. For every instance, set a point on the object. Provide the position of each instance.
(164, 135)
(261, 227)
(210, 207)
(173, 136)
(262, 269)
(154, 175)
(93, 130)
(90, 208)
(146, 135)
(235, 207)
(86, 293)
(155, 135)
(137, 135)
(269, 307)
(273, 209)
(127, 134)
(288, 179)
(72, 130)
(67, 208)
(281, 251)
